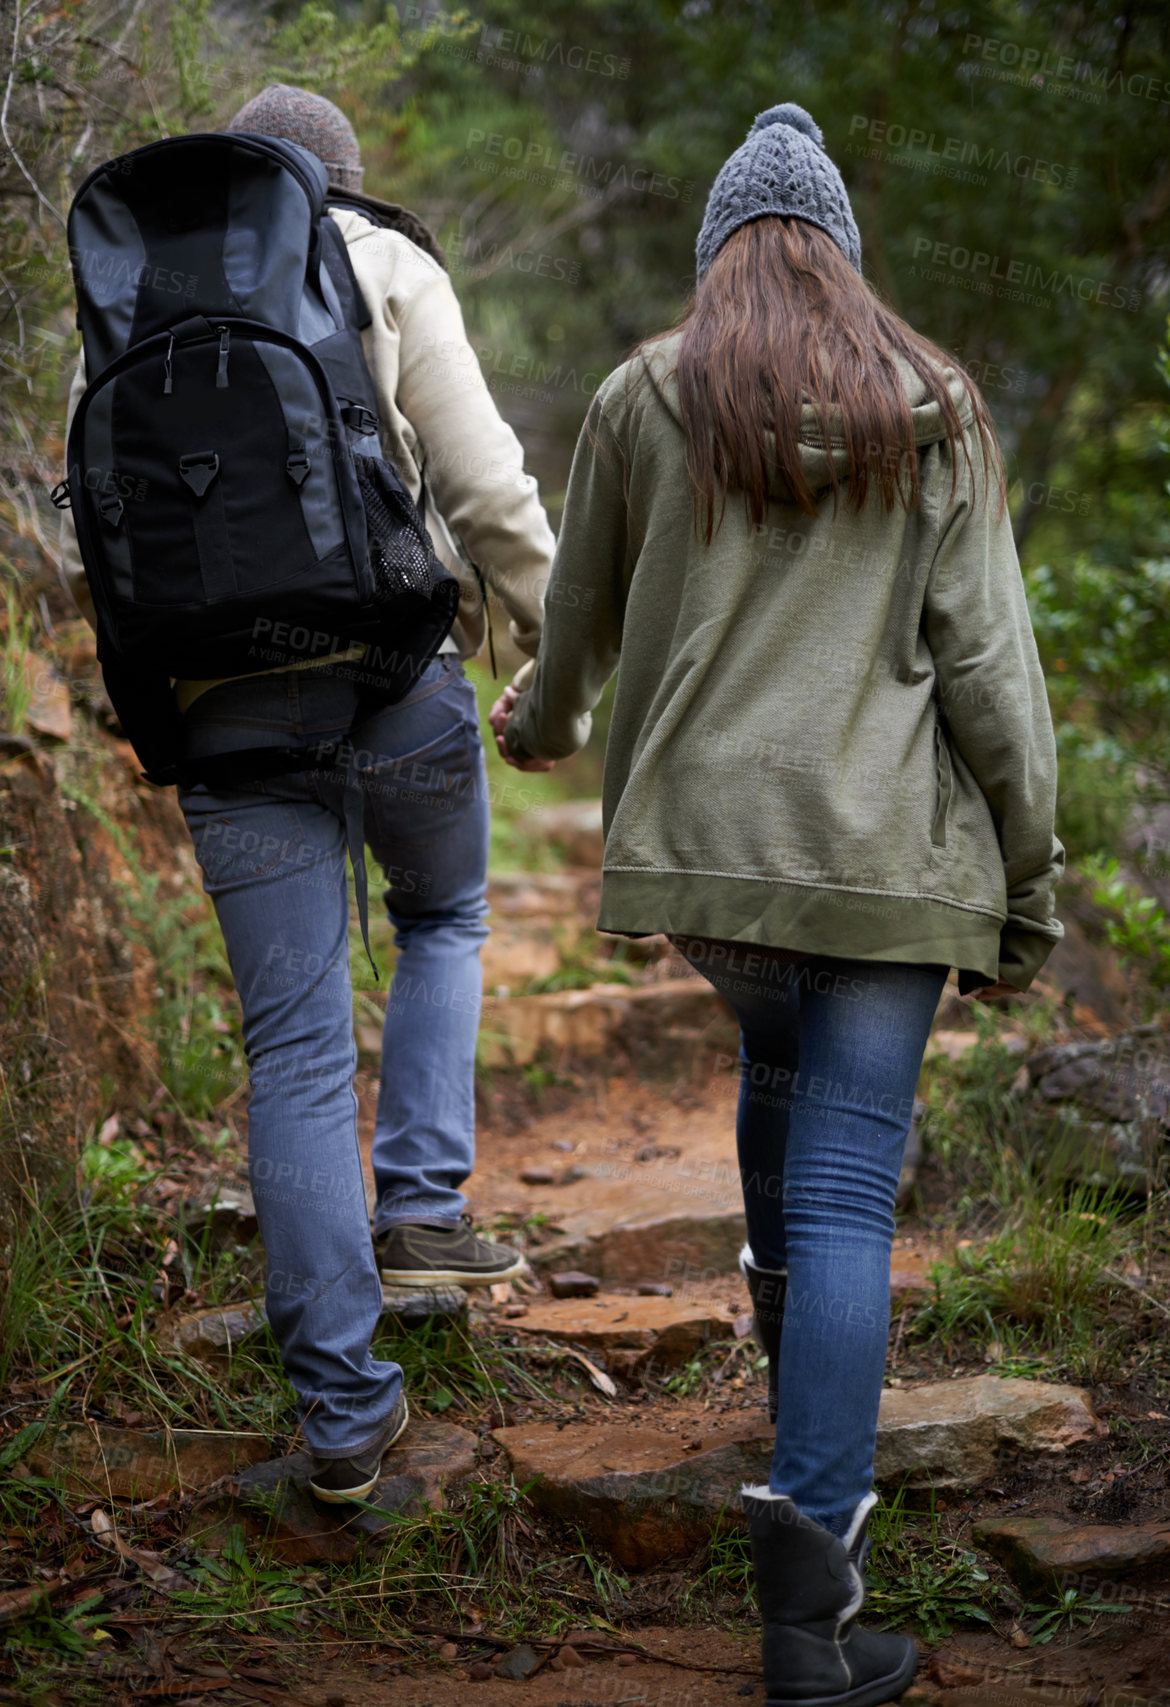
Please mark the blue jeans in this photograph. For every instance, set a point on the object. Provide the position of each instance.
(273, 858)
(829, 1062)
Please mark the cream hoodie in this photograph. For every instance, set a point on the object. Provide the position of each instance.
(435, 410)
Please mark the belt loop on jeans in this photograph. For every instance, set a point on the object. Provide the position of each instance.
(355, 836)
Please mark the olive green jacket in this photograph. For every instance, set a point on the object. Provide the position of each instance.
(830, 733)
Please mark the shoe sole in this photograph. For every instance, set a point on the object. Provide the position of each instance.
(451, 1276)
(875, 1693)
(339, 1496)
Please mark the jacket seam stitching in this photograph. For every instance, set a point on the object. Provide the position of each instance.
(802, 883)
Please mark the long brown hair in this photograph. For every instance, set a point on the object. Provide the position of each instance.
(781, 319)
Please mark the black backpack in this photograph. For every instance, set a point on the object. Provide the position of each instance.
(233, 507)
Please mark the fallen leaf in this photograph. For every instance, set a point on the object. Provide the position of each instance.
(160, 1574)
(599, 1378)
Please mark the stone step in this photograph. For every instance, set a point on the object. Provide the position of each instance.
(630, 1334)
(651, 1496)
(215, 1334)
(101, 1460)
(275, 1505)
(568, 1024)
(1031, 1549)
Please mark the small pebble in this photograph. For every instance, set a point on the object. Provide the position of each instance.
(512, 1311)
(537, 1176)
(448, 1651)
(571, 1658)
(627, 1659)
(571, 1283)
(565, 1145)
(655, 1289)
(556, 1663)
(460, 1675)
(479, 1672)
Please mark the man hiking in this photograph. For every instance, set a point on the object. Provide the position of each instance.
(273, 853)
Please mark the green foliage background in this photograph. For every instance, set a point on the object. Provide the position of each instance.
(563, 154)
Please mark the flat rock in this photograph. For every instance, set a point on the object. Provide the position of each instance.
(223, 1213)
(1122, 1078)
(948, 1434)
(274, 1502)
(411, 1306)
(534, 1175)
(516, 1030)
(1031, 1549)
(663, 1331)
(679, 1246)
(651, 1495)
(101, 1460)
(211, 1334)
(632, 1490)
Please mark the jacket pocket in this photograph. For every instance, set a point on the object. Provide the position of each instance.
(943, 785)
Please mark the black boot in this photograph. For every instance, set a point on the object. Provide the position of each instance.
(767, 1287)
(810, 1588)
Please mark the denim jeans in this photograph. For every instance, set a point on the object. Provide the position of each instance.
(273, 857)
(829, 1062)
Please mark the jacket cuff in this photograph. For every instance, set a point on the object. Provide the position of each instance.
(1022, 953)
(511, 738)
(522, 680)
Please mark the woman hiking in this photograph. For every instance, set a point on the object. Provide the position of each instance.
(830, 778)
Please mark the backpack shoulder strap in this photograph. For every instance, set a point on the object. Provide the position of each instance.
(335, 258)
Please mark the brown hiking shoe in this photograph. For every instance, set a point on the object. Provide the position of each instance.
(337, 1479)
(411, 1254)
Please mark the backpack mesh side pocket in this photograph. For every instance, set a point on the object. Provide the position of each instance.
(401, 557)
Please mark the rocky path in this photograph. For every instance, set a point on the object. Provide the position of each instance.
(606, 1148)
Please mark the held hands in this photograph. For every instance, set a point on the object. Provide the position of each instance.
(498, 717)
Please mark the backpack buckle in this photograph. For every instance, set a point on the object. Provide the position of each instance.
(359, 418)
(198, 468)
(110, 509)
(59, 496)
(297, 466)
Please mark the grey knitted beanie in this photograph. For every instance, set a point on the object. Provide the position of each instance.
(300, 116)
(782, 168)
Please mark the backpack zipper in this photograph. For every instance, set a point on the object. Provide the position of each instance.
(221, 373)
